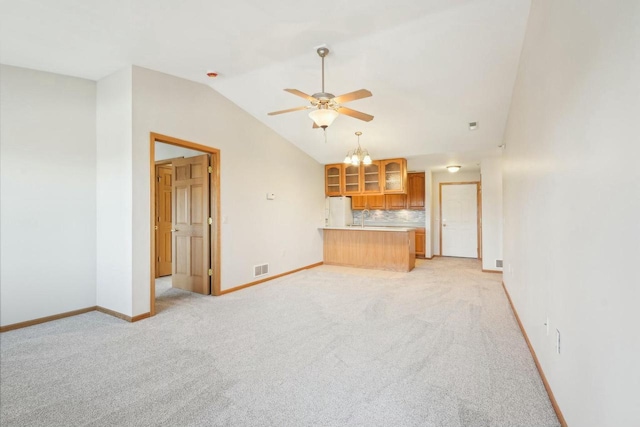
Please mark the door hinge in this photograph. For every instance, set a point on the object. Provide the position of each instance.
(210, 272)
(210, 221)
(159, 178)
(158, 259)
(210, 169)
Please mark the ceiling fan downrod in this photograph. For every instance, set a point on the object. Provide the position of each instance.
(323, 51)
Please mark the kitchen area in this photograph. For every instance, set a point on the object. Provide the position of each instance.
(374, 215)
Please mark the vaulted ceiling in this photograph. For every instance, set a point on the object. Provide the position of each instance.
(433, 66)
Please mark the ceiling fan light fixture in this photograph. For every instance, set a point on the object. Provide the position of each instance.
(323, 117)
(453, 168)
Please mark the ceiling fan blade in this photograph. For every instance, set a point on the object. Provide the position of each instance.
(301, 95)
(352, 96)
(355, 114)
(273, 113)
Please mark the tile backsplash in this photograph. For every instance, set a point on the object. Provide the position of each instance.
(390, 217)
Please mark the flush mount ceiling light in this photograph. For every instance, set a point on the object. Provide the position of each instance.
(453, 168)
(473, 125)
(358, 155)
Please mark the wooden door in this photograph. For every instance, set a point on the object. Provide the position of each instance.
(163, 220)
(191, 236)
(459, 220)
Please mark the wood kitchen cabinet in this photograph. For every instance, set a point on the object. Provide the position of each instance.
(376, 202)
(415, 191)
(395, 201)
(380, 177)
(352, 180)
(359, 203)
(370, 175)
(333, 179)
(421, 240)
(394, 172)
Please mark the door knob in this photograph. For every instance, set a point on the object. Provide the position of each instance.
(174, 229)
(444, 225)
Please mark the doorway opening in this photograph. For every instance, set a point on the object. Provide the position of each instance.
(461, 219)
(185, 213)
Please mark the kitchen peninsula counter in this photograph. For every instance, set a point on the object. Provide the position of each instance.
(379, 248)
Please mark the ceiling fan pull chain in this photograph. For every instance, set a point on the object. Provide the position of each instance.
(325, 135)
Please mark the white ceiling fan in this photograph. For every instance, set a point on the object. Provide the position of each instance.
(326, 107)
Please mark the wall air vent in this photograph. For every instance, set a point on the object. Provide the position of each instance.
(260, 270)
(499, 263)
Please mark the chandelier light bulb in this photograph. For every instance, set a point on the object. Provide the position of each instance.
(358, 155)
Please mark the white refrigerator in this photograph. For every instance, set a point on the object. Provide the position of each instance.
(338, 211)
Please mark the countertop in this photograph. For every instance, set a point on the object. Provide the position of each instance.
(369, 228)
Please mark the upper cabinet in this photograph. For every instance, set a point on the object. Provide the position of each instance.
(371, 178)
(414, 199)
(352, 180)
(378, 178)
(333, 180)
(415, 191)
(394, 172)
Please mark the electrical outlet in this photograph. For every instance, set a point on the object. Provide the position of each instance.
(557, 341)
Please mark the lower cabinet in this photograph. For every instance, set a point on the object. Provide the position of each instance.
(421, 240)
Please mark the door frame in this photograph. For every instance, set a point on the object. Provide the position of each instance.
(214, 196)
(478, 212)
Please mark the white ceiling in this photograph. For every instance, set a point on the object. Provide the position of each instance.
(432, 65)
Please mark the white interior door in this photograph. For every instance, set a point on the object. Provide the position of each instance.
(459, 220)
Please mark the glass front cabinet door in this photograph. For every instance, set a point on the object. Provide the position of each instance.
(371, 178)
(333, 179)
(352, 179)
(395, 176)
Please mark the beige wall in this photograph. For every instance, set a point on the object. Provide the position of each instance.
(572, 204)
(255, 161)
(491, 174)
(114, 192)
(48, 208)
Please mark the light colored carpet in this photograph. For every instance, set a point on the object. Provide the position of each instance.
(329, 346)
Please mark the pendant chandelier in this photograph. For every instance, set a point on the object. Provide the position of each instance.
(358, 155)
